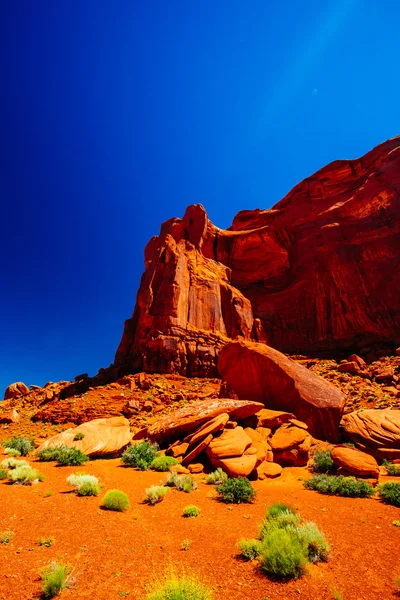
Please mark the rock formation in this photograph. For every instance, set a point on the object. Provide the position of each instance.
(315, 274)
(375, 431)
(15, 390)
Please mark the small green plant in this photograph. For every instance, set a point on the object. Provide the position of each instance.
(25, 475)
(279, 518)
(12, 452)
(155, 494)
(191, 511)
(249, 549)
(177, 586)
(3, 474)
(65, 456)
(86, 485)
(318, 548)
(390, 492)
(141, 455)
(396, 583)
(184, 483)
(283, 556)
(6, 537)
(392, 469)
(13, 463)
(163, 463)
(396, 523)
(236, 491)
(218, 476)
(115, 500)
(78, 436)
(54, 579)
(22, 444)
(48, 494)
(47, 542)
(50, 454)
(337, 595)
(339, 486)
(186, 545)
(323, 462)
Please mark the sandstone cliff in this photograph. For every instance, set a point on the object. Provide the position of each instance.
(317, 274)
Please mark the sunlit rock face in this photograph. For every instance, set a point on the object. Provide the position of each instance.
(317, 274)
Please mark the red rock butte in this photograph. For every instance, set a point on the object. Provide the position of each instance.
(317, 274)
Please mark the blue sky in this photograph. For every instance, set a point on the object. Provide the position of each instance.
(117, 114)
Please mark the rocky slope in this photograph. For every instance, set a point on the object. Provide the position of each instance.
(316, 274)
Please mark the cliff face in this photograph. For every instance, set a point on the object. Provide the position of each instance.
(316, 274)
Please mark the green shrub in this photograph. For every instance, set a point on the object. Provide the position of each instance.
(54, 579)
(78, 436)
(339, 486)
(115, 500)
(218, 476)
(51, 453)
(317, 547)
(184, 483)
(22, 444)
(163, 463)
(6, 537)
(86, 485)
(71, 457)
(191, 511)
(275, 510)
(285, 519)
(283, 555)
(174, 586)
(393, 470)
(13, 463)
(3, 474)
(390, 492)
(236, 491)
(323, 462)
(249, 549)
(12, 452)
(141, 455)
(25, 475)
(47, 542)
(155, 494)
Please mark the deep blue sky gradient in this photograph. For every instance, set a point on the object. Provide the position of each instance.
(117, 114)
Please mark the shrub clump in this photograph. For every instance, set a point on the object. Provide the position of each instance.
(155, 494)
(12, 452)
(86, 485)
(163, 463)
(6, 537)
(13, 463)
(236, 491)
(47, 542)
(249, 549)
(392, 469)
(22, 444)
(115, 500)
(216, 477)
(191, 511)
(174, 586)
(318, 548)
(283, 555)
(184, 483)
(390, 492)
(339, 485)
(3, 474)
(54, 579)
(141, 455)
(65, 456)
(25, 475)
(323, 462)
(78, 436)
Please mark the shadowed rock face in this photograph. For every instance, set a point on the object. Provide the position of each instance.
(316, 274)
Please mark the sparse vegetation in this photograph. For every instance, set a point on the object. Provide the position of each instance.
(141, 455)
(86, 485)
(175, 586)
(191, 511)
(184, 483)
(216, 477)
(163, 463)
(25, 475)
(155, 494)
(390, 492)
(236, 491)
(318, 548)
(339, 486)
(13, 463)
(6, 537)
(283, 555)
(3, 474)
(322, 462)
(65, 456)
(392, 469)
(337, 595)
(78, 436)
(249, 549)
(186, 544)
(12, 452)
(54, 579)
(47, 542)
(115, 500)
(22, 444)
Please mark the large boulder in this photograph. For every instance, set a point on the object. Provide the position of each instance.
(15, 390)
(355, 462)
(236, 466)
(100, 437)
(375, 431)
(290, 446)
(231, 442)
(258, 372)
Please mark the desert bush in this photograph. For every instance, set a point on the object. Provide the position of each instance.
(322, 462)
(155, 494)
(282, 519)
(141, 455)
(22, 444)
(339, 486)
(115, 500)
(175, 586)
(393, 470)
(283, 555)
(86, 485)
(163, 463)
(390, 492)
(51, 453)
(6, 537)
(249, 549)
(13, 463)
(47, 542)
(78, 436)
(54, 579)
(12, 452)
(236, 491)
(191, 511)
(218, 476)
(3, 474)
(275, 510)
(184, 483)
(71, 457)
(317, 547)
(25, 475)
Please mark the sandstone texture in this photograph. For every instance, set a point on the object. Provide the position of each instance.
(15, 390)
(316, 274)
(355, 462)
(375, 431)
(256, 371)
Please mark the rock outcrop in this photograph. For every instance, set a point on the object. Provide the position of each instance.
(375, 431)
(355, 462)
(256, 371)
(15, 390)
(316, 274)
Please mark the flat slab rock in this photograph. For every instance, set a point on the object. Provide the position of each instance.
(355, 462)
(376, 431)
(258, 372)
(238, 466)
(185, 420)
(101, 437)
(232, 442)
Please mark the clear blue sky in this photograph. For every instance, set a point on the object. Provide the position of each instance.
(117, 114)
